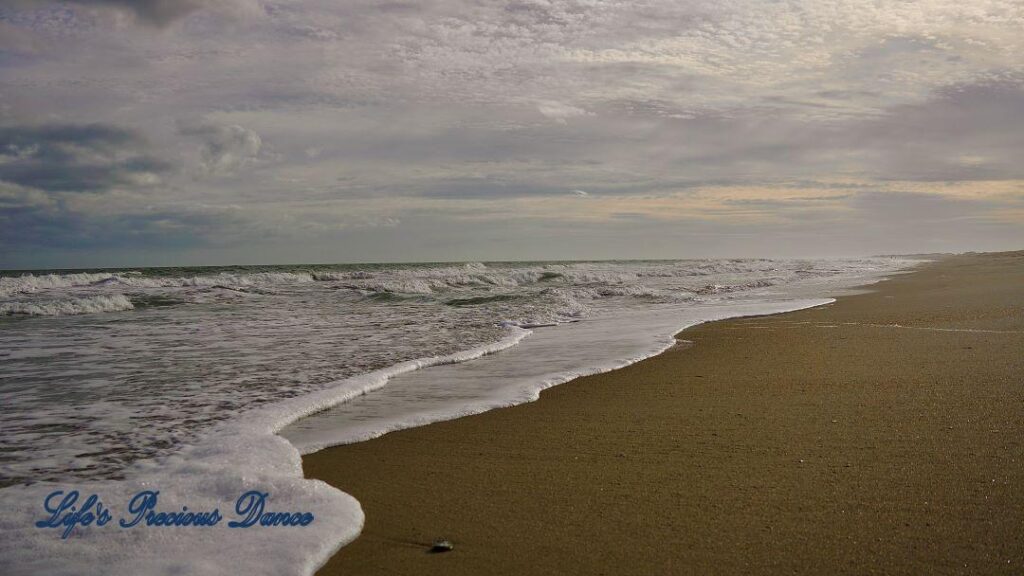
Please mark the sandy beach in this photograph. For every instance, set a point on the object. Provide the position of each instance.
(878, 434)
(292, 275)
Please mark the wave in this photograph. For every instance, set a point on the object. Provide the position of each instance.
(393, 297)
(29, 283)
(482, 300)
(222, 280)
(69, 306)
(155, 301)
(519, 374)
(619, 290)
(726, 288)
(603, 279)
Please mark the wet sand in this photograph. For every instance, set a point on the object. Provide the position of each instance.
(827, 440)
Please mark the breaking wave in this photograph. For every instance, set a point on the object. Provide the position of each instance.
(29, 283)
(69, 306)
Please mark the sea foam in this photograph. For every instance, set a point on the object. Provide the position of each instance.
(243, 455)
(61, 307)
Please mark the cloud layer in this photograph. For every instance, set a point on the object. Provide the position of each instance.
(76, 158)
(449, 128)
(150, 12)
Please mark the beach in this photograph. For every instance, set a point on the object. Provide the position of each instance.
(537, 287)
(878, 434)
(371, 349)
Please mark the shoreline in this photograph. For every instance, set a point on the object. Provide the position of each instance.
(224, 462)
(524, 386)
(476, 478)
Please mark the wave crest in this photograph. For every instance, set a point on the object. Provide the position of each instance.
(68, 306)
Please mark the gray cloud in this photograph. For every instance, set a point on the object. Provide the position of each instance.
(153, 12)
(159, 12)
(321, 115)
(224, 149)
(71, 230)
(966, 132)
(76, 158)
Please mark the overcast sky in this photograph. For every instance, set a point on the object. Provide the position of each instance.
(156, 132)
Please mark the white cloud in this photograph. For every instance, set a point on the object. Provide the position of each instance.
(560, 112)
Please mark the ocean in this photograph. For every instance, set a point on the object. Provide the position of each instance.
(207, 382)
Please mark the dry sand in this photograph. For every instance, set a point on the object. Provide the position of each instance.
(819, 441)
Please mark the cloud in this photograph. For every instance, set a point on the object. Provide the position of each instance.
(157, 12)
(225, 148)
(559, 111)
(362, 111)
(153, 12)
(17, 41)
(77, 158)
(965, 132)
(69, 230)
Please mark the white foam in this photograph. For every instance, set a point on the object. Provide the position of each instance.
(29, 283)
(551, 356)
(67, 306)
(242, 455)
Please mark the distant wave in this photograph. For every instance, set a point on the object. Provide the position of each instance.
(720, 289)
(590, 279)
(155, 301)
(69, 306)
(482, 300)
(29, 283)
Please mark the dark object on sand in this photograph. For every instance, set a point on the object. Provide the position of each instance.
(441, 545)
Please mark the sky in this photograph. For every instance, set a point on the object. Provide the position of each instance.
(169, 132)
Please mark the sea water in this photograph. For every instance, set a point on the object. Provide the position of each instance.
(180, 379)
